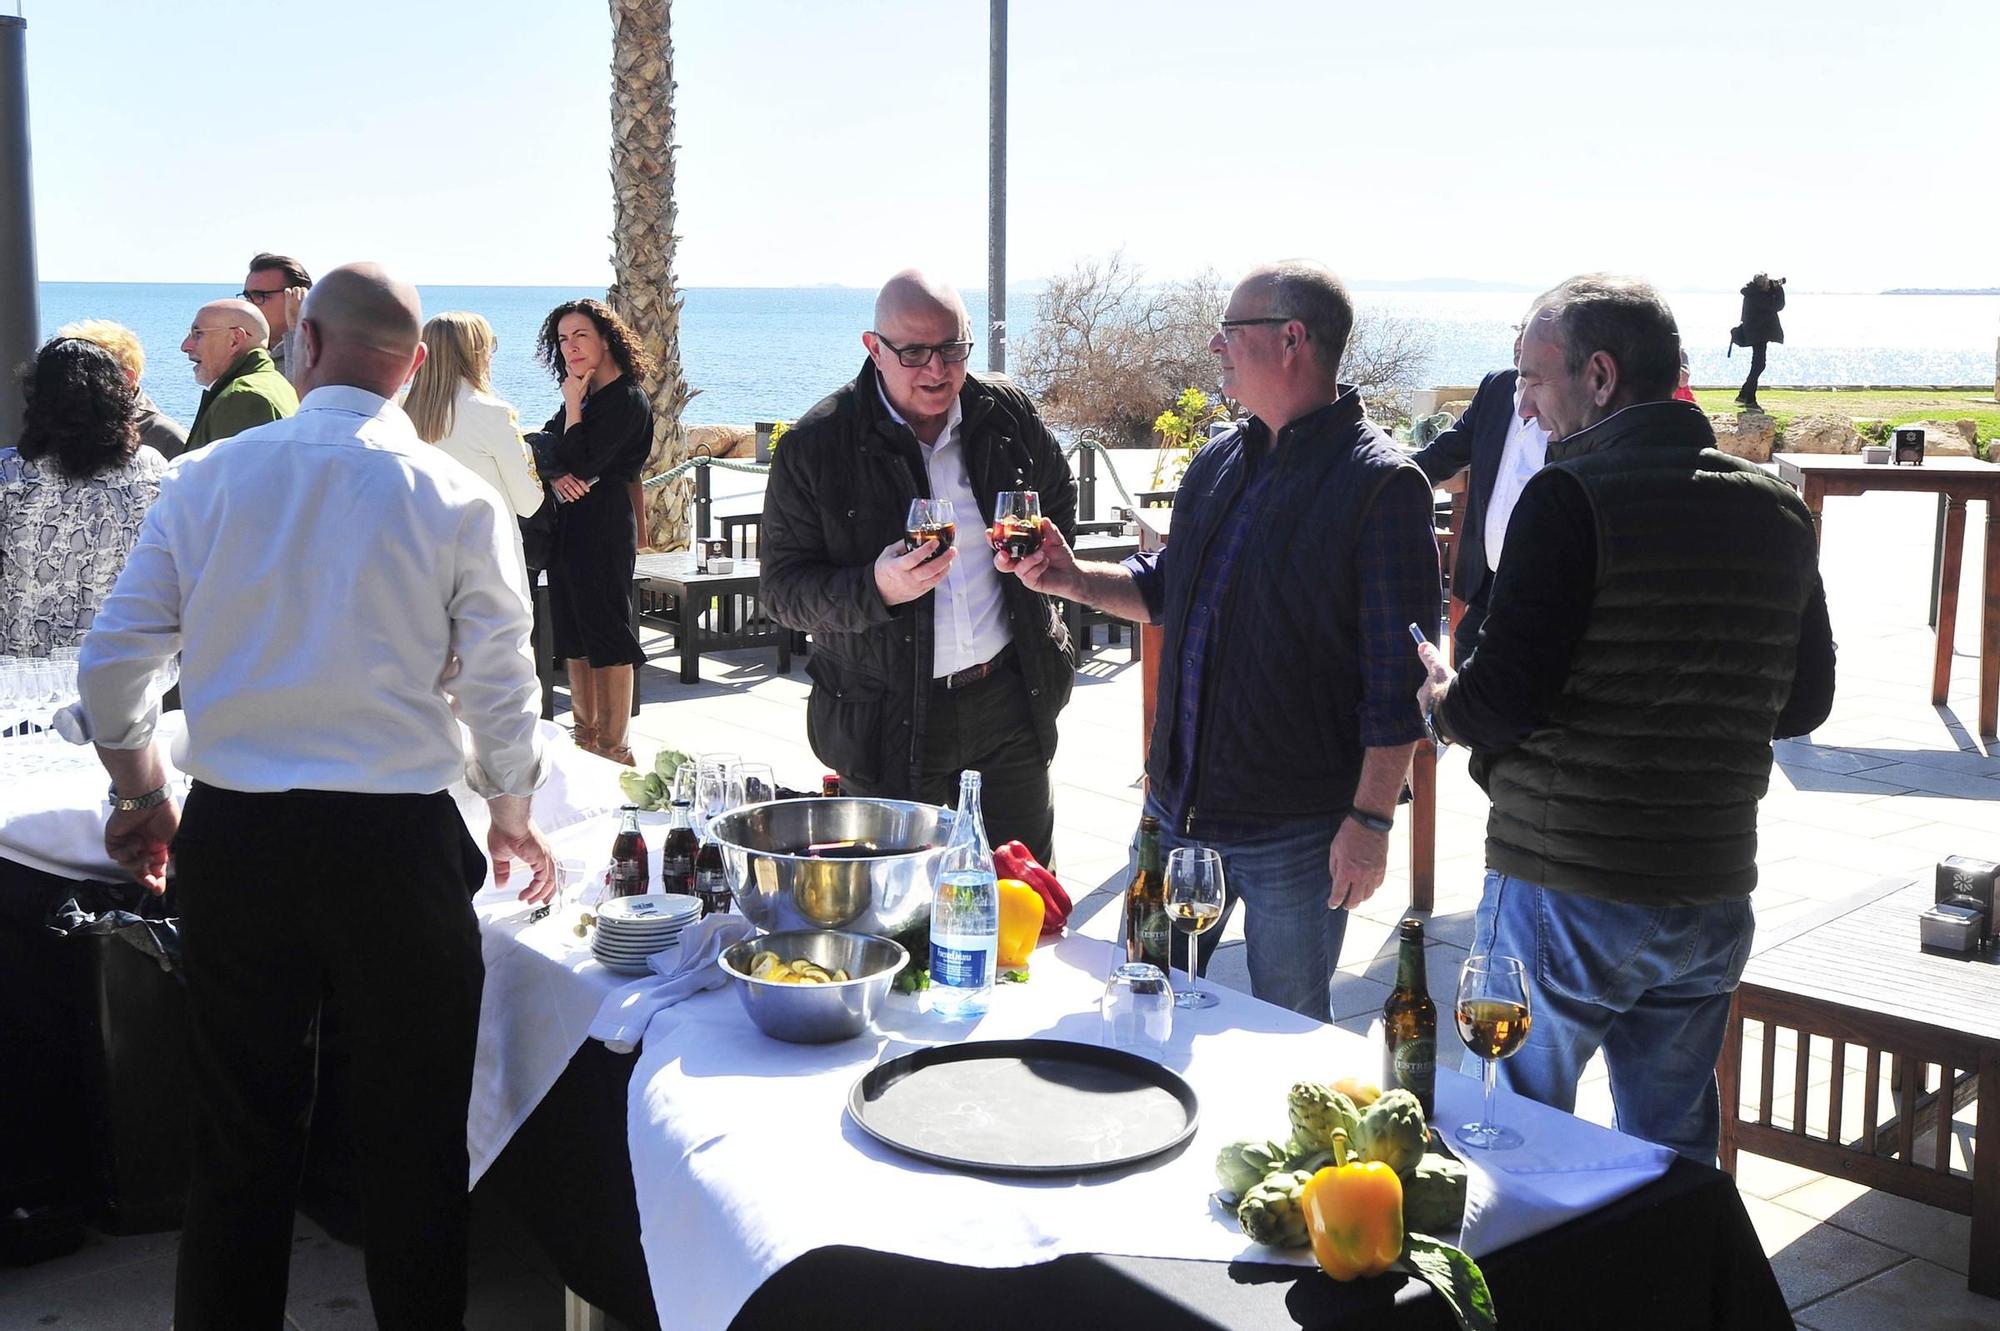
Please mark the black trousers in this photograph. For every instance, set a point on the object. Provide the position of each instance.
(1748, 393)
(987, 727)
(363, 902)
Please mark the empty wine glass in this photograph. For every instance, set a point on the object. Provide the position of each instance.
(1493, 1019)
(1194, 905)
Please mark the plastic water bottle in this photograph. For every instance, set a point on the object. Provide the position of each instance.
(965, 914)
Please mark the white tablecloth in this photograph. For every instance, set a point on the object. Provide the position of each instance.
(744, 1158)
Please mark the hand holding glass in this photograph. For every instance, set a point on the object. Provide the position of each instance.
(1194, 905)
(1493, 1021)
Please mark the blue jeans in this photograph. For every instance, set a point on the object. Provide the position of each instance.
(1293, 940)
(1648, 985)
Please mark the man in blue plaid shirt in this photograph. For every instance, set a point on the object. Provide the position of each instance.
(1301, 550)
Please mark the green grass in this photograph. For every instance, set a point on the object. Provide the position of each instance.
(1895, 406)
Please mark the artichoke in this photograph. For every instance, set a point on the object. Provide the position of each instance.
(1434, 1195)
(1319, 1111)
(1241, 1166)
(1392, 1131)
(1272, 1212)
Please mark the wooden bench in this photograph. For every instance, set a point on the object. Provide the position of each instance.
(1850, 980)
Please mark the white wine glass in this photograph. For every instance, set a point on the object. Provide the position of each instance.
(1493, 1020)
(1194, 905)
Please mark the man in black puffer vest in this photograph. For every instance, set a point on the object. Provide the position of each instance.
(1657, 620)
(1301, 550)
(923, 665)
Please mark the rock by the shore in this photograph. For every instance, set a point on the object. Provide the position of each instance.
(1947, 438)
(723, 441)
(1821, 434)
(1745, 434)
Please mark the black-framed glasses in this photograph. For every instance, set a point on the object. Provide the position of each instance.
(259, 297)
(917, 355)
(1225, 325)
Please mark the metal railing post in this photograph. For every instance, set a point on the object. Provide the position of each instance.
(20, 305)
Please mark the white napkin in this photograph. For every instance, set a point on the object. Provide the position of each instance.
(1563, 1168)
(677, 974)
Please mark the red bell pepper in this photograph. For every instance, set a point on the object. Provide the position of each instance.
(1014, 860)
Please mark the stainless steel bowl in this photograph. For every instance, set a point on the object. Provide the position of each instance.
(816, 1013)
(886, 893)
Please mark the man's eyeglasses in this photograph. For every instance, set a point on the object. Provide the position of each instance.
(225, 328)
(259, 297)
(918, 355)
(1225, 325)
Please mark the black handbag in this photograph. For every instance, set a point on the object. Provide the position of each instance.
(538, 529)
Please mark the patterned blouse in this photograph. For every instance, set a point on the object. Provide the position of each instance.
(63, 543)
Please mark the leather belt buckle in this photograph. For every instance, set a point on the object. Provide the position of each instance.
(973, 674)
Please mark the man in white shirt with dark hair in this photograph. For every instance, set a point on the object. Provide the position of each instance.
(333, 602)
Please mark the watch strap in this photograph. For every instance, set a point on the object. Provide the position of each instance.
(1374, 822)
(152, 799)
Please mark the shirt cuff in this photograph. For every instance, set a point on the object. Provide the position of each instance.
(1390, 725)
(488, 785)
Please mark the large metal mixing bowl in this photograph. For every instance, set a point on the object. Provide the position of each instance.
(816, 1013)
(779, 886)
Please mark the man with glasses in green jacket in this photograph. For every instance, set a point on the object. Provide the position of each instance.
(228, 344)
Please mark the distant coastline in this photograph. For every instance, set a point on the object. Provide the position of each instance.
(1942, 291)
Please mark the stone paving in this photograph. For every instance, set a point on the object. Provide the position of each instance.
(1888, 786)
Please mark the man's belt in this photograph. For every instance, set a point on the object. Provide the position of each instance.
(973, 674)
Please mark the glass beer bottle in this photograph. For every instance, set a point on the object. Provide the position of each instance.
(677, 852)
(631, 866)
(1148, 931)
(1410, 1023)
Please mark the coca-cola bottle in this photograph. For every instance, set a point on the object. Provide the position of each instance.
(711, 884)
(631, 866)
(678, 851)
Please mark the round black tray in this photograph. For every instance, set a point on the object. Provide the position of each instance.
(1025, 1106)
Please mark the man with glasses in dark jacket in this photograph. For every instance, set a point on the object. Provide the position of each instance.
(1301, 552)
(924, 664)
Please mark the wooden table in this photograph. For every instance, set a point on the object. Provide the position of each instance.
(1960, 481)
(1852, 974)
(674, 574)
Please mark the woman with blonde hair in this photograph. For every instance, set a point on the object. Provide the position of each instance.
(451, 403)
(157, 430)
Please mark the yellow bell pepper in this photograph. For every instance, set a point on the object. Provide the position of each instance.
(1354, 1215)
(1021, 910)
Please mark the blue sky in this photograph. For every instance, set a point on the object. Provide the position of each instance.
(1850, 145)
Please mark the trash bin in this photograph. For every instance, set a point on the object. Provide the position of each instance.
(92, 1031)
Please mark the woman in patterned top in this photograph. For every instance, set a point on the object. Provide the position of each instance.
(72, 496)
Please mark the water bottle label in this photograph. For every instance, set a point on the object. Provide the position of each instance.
(960, 967)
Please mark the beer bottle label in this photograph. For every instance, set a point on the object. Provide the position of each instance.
(1416, 1065)
(1156, 934)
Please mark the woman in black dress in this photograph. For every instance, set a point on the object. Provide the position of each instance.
(592, 452)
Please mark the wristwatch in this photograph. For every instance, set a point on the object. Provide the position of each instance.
(1374, 822)
(152, 799)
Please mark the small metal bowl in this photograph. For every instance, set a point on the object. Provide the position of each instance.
(816, 1013)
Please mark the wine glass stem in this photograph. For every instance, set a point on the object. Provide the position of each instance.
(1192, 939)
(1492, 1074)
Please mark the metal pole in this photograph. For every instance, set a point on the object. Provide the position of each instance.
(20, 307)
(996, 193)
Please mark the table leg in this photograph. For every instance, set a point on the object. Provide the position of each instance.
(1984, 1259)
(690, 639)
(1954, 555)
(1813, 491)
(1989, 626)
(1423, 826)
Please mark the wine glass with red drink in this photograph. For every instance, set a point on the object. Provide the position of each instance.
(1017, 523)
(931, 522)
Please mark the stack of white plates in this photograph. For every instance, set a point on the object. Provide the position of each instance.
(631, 929)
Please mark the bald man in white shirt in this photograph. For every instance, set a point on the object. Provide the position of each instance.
(333, 602)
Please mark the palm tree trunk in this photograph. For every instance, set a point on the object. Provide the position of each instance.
(643, 288)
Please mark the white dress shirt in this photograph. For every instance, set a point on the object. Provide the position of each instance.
(970, 615)
(486, 437)
(1527, 447)
(315, 575)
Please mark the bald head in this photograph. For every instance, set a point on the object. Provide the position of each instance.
(914, 295)
(222, 331)
(238, 314)
(362, 327)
